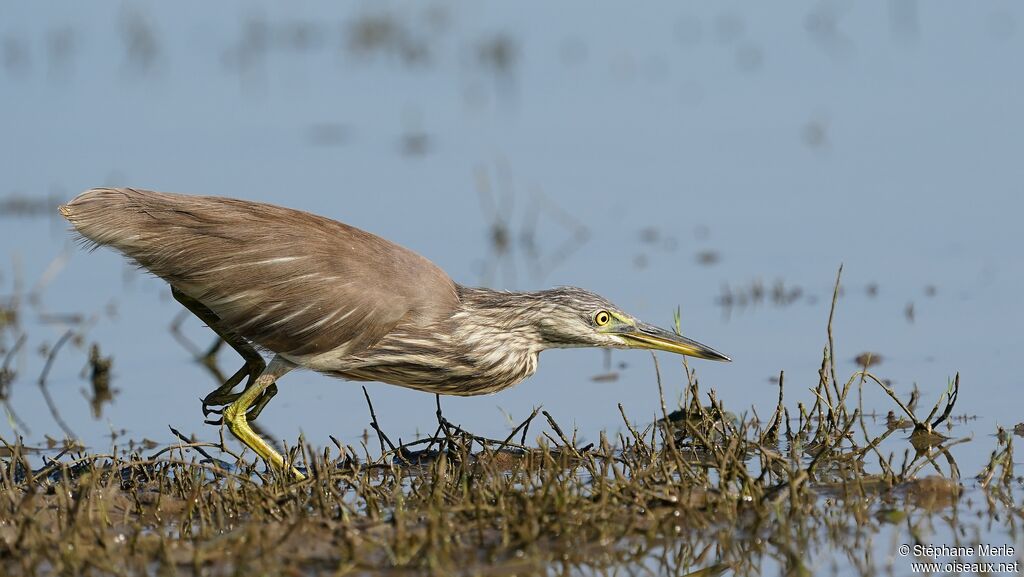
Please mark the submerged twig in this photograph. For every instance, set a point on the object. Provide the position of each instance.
(50, 358)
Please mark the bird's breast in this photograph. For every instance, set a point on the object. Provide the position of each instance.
(450, 373)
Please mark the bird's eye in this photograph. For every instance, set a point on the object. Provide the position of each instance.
(602, 318)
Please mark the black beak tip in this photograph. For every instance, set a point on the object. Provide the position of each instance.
(717, 356)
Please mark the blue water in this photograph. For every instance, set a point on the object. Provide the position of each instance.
(615, 147)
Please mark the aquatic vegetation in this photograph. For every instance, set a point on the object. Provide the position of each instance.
(698, 489)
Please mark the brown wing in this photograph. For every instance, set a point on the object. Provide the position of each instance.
(290, 281)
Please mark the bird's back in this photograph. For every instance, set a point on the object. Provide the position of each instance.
(290, 281)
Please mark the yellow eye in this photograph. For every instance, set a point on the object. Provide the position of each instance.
(602, 318)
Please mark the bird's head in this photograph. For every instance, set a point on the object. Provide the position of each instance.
(572, 317)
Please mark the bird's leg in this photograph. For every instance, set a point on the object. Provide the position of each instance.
(241, 346)
(254, 363)
(235, 415)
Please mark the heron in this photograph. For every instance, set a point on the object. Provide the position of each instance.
(315, 293)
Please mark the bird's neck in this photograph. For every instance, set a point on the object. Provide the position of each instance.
(498, 322)
(490, 342)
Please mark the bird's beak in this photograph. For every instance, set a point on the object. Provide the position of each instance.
(645, 336)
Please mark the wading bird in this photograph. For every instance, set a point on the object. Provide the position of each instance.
(332, 298)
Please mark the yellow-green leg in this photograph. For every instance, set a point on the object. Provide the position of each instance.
(238, 423)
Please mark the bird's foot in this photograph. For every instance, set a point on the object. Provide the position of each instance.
(214, 404)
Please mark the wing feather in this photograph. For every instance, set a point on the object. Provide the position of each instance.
(290, 281)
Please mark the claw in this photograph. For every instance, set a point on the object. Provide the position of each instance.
(250, 415)
(212, 410)
(222, 396)
(218, 400)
